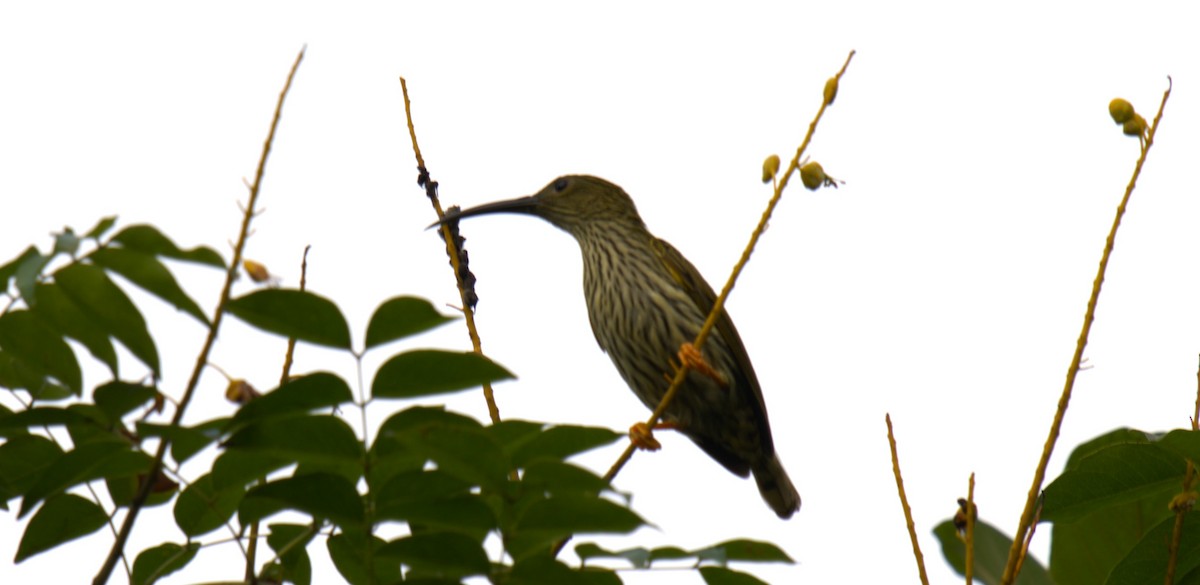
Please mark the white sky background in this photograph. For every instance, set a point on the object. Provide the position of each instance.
(944, 283)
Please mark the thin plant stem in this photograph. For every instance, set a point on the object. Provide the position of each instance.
(908, 519)
(1016, 551)
(135, 506)
(719, 305)
(970, 560)
(451, 250)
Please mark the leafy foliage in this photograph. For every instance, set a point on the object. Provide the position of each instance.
(453, 481)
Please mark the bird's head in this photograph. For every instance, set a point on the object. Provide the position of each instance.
(574, 203)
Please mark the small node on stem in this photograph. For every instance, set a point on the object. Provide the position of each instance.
(960, 516)
(643, 438)
(240, 392)
(1183, 502)
(831, 88)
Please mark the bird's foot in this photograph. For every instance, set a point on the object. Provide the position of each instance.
(642, 436)
(691, 357)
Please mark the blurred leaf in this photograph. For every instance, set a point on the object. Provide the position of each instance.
(744, 550)
(60, 311)
(991, 554)
(293, 313)
(298, 395)
(349, 551)
(513, 433)
(571, 514)
(638, 557)
(148, 239)
(84, 463)
(290, 541)
(468, 454)
(42, 416)
(724, 576)
(201, 508)
(28, 269)
(116, 399)
(239, 468)
(1114, 474)
(9, 270)
(442, 554)
(320, 495)
(22, 461)
(159, 561)
(305, 438)
(25, 336)
(66, 242)
(435, 499)
(401, 317)
(562, 441)
(540, 569)
(558, 478)
(101, 227)
(148, 273)
(1147, 562)
(427, 372)
(92, 291)
(64, 517)
(185, 441)
(1086, 550)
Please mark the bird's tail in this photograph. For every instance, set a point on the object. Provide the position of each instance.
(776, 488)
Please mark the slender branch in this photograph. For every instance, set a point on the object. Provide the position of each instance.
(1185, 500)
(139, 500)
(466, 291)
(908, 519)
(719, 305)
(970, 561)
(1015, 554)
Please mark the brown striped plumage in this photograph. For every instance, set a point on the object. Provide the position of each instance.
(644, 301)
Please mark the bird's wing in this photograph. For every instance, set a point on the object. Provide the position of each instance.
(703, 296)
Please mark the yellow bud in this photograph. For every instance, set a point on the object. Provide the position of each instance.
(1121, 111)
(1135, 126)
(258, 273)
(812, 175)
(831, 88)
(770, 168)
(240, 392)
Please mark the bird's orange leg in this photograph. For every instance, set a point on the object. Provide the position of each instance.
(642, 436)
(692, 358)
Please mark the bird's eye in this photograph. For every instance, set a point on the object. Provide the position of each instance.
(560, 184)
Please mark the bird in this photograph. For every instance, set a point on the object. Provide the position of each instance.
(645, 302)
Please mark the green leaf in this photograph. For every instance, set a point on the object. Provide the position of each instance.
(27, 337)
(117, 399)
(22, 461)
(540, 569)
(60, 311)
(289, 541)
(1147, 562)
(237, 467)
(28, 269)
(470, 455)
(572, 514)
(159, 561)
(320, 439)
(434, 499)
(298, 395)
(321, 495)
(201, 508)
(148, 239)
(428, 372)
(96, 295)
(148, 273)
(106, 459)
(744, 550)
(1086, 550)
(42, 416)
(10, 269)
(101, 227)
(556, 477)
(638, 557)
(560, 442)
(64, 517)
(991, 554)
(724, 576)
(185, 441)
(1111, 475)
(355, 554)
(294, 313)
(441, 554)
(401, 317)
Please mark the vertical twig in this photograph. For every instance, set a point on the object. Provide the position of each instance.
(1185, 500)
(135, 506)
(1015, 553)
(465, 289)
(908, 519)
(970, 561)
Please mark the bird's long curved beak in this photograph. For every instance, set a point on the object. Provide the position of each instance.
(526, 205)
